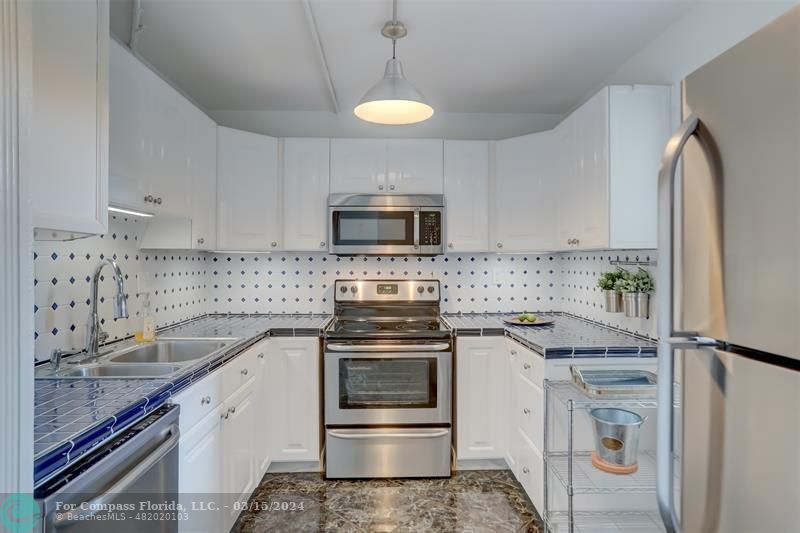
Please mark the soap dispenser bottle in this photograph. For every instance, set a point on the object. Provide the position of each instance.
(148, 322)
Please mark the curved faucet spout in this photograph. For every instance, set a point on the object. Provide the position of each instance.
(120, 305)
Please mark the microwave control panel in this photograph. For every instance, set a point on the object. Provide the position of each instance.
(430, 223)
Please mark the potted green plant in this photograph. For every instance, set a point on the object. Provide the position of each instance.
(636, 289)
(608, 283)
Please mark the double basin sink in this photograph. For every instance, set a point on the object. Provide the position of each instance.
(161, 358)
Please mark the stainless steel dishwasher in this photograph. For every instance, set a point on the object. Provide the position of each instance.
(124, 486)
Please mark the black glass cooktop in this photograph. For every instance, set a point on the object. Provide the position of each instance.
(385, 328)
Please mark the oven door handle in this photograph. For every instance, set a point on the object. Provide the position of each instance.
(357, 436)
(374, 348)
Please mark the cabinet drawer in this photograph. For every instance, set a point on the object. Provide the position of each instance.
(530, 410)
(530, 470)
(199, 400)
(242, 369)
(531, 364)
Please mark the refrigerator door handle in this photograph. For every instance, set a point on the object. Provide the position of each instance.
(669, 339)
(666, 224)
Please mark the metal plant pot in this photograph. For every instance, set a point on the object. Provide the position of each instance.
(636, 304)
(613, 301)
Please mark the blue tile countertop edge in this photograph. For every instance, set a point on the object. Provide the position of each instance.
(568, 337)
(74, 416)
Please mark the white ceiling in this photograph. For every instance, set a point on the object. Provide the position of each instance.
(467, 56)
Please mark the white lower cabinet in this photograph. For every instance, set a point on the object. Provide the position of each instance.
(293, 384)
(200, 476)
(228, 436)
(239, 476)
(479, 397)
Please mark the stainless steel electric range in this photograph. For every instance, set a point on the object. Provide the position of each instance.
(388, 381)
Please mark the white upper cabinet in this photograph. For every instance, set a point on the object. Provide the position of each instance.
(523, 196)
(639, 128)
(202, 166)
(66, 159)
(466, 191)
(306, 177)
(414, 166)
(376, 166)
(358, 166)
(248, 195)
(608, 168)
(162, 157)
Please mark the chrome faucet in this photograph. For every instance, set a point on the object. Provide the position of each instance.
(95, 334)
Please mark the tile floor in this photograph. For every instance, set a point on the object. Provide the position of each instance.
(470, 501)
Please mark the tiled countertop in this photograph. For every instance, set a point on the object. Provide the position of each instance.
(567, 337)
(73, 416)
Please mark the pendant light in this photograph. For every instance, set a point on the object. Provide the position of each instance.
(393, 100)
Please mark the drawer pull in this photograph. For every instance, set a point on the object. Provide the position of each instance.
(525, 470)
(244, 372)
(205, 400)
(526, 366)
(526, 411)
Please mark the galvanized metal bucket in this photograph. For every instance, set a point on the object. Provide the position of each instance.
(636, 304)
(616, 435)
(613, 301)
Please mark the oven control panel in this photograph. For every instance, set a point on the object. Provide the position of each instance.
(386, 291)
(430, 223)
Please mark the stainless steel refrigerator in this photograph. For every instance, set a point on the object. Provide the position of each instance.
(729, 284)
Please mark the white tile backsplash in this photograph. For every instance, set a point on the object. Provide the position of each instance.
(184, 285)
(177, 282)
(579, 294)
(302, 283)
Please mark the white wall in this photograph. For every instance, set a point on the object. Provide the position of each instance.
(696, 38)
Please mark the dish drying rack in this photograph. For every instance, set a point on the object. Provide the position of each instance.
(570, 470)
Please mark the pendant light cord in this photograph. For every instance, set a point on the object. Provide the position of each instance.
(394, 20)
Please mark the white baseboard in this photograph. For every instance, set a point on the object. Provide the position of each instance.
(481, 464)
(294, 466)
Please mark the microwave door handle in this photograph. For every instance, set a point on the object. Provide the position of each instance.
(416, 228)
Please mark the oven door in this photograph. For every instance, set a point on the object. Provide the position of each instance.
(387, 384)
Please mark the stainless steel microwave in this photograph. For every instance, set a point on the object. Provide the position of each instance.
(385, 224)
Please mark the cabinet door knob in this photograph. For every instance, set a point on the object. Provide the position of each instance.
(261, 356)
(499, 244)
(450, 245)
(391, 187)
(158, 201)
(526, 366)
(231, 410)
(205, 400)
(244, 372)
(148, 199)
(201, 241)
(380, 187)
(513, 352)
(322, 244)
(273, 244)
(226, 415)
(526, 411)
(525, 470)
